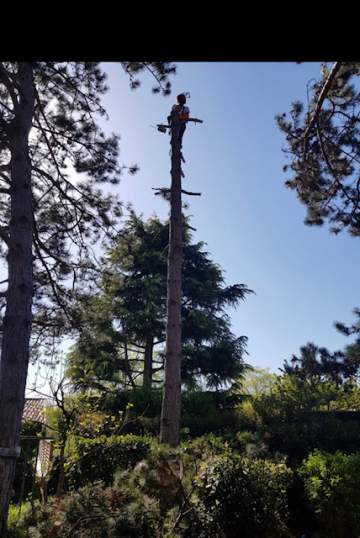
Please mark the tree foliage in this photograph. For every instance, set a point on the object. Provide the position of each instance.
(128, 312)
(49, 220)
(332, 485)
(323, 146)
(71, 157)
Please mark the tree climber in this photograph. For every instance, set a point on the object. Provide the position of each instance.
(179, 113)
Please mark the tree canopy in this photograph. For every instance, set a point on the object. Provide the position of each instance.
(323, 146)
(124, 320)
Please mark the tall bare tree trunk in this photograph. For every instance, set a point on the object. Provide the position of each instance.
(17, 320)
(148, 363)
(61, 478)
(127, 365)
(171, 404)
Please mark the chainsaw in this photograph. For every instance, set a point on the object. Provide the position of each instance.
(162, 128)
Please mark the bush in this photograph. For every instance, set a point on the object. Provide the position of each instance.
(243, 443)
(242, 497)
(332, 485)
(157, 477)
(143, 402)
(205, 412)
(17, 527)
(300, 435)
(24, 470)
(96, 512)
(99, 458)
(248, 443)
(205, 446)
(201, 412)
(200, 490)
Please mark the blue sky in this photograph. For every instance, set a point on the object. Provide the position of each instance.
(304, 278)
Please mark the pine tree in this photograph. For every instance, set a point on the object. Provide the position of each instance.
(124, 319)
(323, 145)
(49, 128)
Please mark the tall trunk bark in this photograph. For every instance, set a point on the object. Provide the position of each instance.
(171, 404)
(61, 478)
(17, 320)
(148, 363)
(127, 366)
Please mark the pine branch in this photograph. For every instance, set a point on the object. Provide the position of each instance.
(5, 178)
(4, 78)
(52, 283)
(322, 96)
(71, 200)
(156, 77)
(5, 125)
(68, 81)
(331, 169)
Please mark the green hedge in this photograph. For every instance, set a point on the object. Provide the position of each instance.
(332, 485)
(300, 434)
(99, 458)
(201, 412)
(243, 497)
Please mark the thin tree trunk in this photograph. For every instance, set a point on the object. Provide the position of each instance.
(171, 404)
(33, 487)
(61, 478)
(18, 318)
(148, 363)
(127, 365)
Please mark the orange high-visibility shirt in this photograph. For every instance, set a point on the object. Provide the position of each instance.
(183, 111)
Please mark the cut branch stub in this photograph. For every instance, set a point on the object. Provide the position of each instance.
(161, 190)
(191, 193)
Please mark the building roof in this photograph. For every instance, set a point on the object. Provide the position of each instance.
(34, 409)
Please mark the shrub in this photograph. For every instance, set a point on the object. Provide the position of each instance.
(326, 431)
(24, 471)
(332, 485)
(248, 443)
(199, 490)
(17, 527)
(202, 412)
(97, 512)
(97, 459)
(242, 497)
